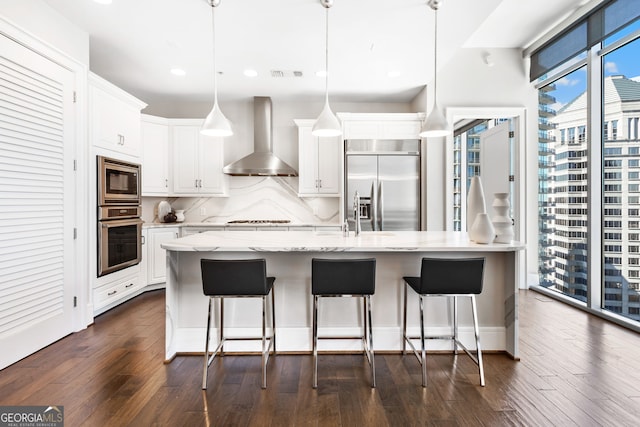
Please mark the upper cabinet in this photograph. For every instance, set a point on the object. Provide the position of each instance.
(197, 160)
(381, 126)
(319, 163)
(155, 156)
(114, 116)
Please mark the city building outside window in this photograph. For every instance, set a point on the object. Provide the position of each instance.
(563, 198)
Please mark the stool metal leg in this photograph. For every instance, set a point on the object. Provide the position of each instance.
(422, 338)
(404, 321)
(221, 327)
(476, 331)
(315, 341)
(273, 320)
(206, 349)
(455, 325)
(264, 341)
(370, 354)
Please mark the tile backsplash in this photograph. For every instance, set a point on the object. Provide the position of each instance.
(252, 198)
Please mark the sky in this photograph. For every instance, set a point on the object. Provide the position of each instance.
(625, 61)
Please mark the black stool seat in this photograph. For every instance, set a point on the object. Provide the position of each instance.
(344, 278)
(245, 278)
(450, 277)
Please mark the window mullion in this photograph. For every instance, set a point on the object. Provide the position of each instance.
(595, 272)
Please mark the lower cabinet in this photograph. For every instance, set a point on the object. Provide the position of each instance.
(156, 256)
(116, 288)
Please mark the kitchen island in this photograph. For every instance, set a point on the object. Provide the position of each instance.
(288, 255)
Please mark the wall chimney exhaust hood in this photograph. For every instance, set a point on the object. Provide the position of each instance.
(262, 162)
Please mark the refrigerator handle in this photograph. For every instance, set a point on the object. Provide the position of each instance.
(374, 207)
(380, 207)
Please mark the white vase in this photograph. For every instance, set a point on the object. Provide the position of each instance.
(501, 220)
(482, 230)
(475, 201)
(163, 209)
(179, 215)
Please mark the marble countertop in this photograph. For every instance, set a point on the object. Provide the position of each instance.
(334, 241)
(224, 224)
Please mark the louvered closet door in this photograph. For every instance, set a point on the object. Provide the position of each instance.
(36, 201)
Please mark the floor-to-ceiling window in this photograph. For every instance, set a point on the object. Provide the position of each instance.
(562, 185)
(621, 194)
(589, 161)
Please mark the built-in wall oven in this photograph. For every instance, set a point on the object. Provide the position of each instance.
(119, 211)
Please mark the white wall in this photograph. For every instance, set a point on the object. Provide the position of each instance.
(467, 81)
(41, 21)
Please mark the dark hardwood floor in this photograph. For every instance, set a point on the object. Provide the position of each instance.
(576, 369)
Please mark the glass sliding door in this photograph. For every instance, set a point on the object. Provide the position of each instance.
(621, 192)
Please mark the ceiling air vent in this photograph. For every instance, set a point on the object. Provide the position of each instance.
(285, 73)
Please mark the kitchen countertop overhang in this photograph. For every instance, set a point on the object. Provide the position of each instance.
(327, 241)
(239, 225)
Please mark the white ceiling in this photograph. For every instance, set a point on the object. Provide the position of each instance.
(134, 43)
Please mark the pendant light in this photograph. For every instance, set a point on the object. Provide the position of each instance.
(216, 124)
(436, 123)
(327, 124)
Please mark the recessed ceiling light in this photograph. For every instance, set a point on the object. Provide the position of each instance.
(178, 72)
(321, 73)
(394, 74)
(250, 73)
(103, 1)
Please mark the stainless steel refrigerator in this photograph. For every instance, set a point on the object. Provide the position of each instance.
(386, 174)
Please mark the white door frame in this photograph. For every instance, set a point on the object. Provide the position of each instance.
(455, 114)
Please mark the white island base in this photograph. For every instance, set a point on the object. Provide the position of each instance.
(288, 256)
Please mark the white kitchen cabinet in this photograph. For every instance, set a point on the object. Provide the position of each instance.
(381, 125)
(319, 166)
(114, 116)
(116, 288)
(197, 161)
(157, 257)
(155, 156)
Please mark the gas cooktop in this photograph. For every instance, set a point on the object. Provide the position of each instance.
(259, 221)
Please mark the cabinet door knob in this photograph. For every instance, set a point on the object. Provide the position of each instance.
(129, 285)
(112, 293)
(166, 182)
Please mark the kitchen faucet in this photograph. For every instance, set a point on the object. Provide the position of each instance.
(356, 212)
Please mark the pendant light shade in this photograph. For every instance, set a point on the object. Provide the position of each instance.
(216, 124)
(436, 123)
(327, 124)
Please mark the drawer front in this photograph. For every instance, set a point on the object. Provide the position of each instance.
(107, 294)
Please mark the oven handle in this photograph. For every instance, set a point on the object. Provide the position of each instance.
(120, 222)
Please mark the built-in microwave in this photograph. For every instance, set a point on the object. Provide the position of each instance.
(119, 182)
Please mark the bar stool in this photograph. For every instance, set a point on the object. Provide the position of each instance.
(238, 279)
(451, 278)
(344, 278)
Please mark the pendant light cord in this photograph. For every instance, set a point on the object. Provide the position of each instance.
(435, 60)
(326, 58)
(215, 74)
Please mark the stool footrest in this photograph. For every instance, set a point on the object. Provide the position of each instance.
(225, 339)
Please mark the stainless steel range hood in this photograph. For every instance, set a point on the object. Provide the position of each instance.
(262, 162)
